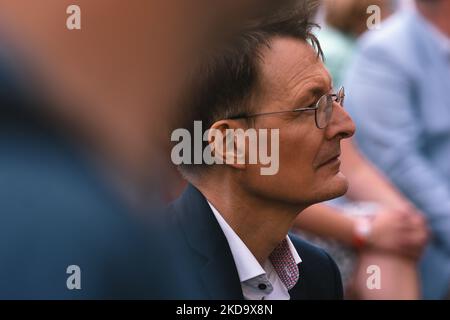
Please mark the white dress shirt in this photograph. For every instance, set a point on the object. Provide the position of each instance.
(257, 282)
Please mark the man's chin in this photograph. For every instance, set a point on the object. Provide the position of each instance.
(336, 188)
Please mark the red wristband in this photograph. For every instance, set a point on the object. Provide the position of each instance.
(361, 233)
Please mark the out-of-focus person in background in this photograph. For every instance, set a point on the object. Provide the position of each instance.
(374, 224)
(398, 89)
(344, 21)
(82, 114)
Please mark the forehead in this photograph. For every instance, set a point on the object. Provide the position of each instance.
(291, 67)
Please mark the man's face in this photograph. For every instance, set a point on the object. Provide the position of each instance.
(309, 168)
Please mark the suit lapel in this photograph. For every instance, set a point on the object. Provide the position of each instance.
(299, 291)
(204, 235)
(220, 277)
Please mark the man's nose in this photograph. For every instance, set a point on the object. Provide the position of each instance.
(341, 124)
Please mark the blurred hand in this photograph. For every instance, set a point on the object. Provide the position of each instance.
(401, 231)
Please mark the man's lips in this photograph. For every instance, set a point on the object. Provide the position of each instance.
(331, 160)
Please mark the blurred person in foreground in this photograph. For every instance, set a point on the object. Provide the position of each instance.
(398, 86)
(234, 221)
(82, 114)
(374, 224)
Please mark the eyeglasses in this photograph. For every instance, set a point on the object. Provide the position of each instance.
(323, 109)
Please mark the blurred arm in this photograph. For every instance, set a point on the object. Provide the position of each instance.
(367, 183)
(327, 222)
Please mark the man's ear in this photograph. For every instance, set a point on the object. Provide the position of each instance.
(225, 146)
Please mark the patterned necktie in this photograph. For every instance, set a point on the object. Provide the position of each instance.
(284, 264)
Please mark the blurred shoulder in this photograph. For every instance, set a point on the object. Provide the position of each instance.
(393, 39)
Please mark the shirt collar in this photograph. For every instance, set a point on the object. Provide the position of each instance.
(246, 264)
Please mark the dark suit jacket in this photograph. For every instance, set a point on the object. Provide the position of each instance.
(204, 248)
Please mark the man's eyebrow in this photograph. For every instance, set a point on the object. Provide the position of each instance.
(318, 91)
(314, 92)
